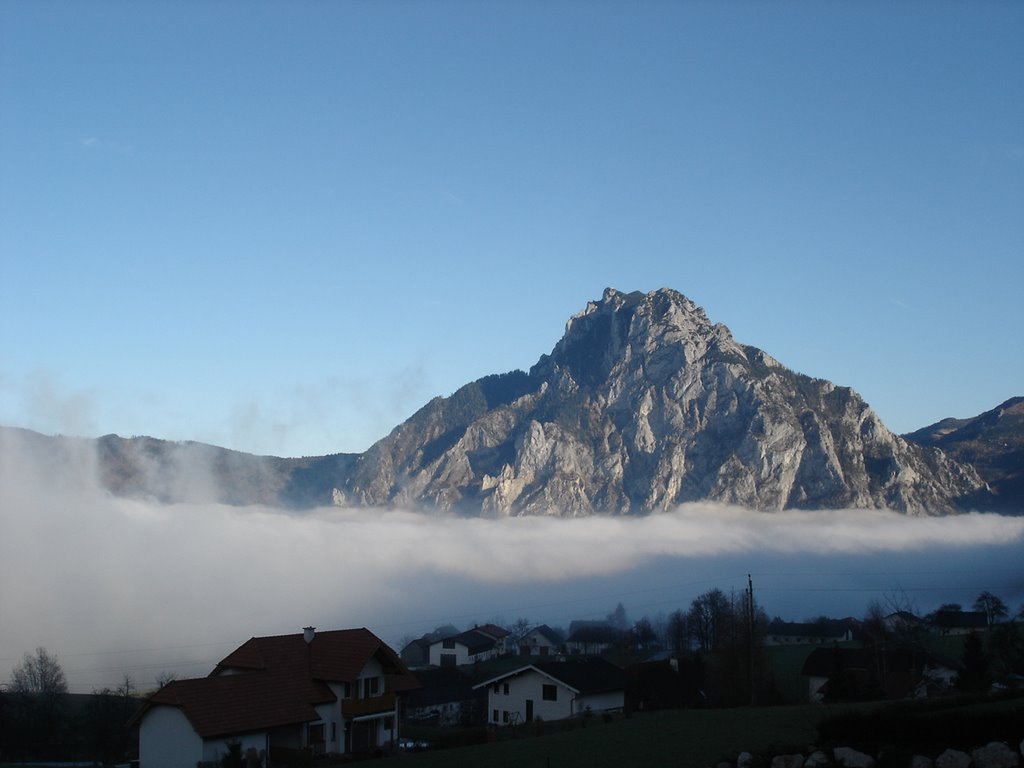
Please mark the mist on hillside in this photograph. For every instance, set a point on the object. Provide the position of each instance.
(116, 586)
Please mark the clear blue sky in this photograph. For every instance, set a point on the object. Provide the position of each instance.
(283, 227)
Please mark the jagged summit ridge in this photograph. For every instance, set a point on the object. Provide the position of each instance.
(642, 405)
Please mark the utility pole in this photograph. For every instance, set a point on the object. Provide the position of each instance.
(750, 639)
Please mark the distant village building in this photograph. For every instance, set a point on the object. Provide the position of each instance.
(856, 674)
(592, 638)
(958, 622)
(540, 641)
(664, 682)
(808, 633)
(477, 644)
(416, 653)
(446, 697)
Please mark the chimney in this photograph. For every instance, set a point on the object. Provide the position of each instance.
(308, 633)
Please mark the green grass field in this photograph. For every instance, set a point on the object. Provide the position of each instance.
(679, 738)
(698, 738)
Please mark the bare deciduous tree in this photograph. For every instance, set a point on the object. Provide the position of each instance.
(993, 607)
(39, 673)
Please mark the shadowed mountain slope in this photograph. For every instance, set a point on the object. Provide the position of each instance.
(993, 443)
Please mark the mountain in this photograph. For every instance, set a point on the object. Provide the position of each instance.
(171, 472)
(642, 405)
(993, 443)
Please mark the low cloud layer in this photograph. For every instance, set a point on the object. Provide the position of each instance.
(114, 585)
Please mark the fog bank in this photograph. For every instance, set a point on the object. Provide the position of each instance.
(114, 585)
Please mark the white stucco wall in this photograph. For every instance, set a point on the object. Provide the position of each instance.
(330, 713)
(460, 651)
(373, 668)
(167, 740)
(528, 685)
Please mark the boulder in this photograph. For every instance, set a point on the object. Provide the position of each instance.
(788, 761)
(995, 754)
(744, 760)
(818, 759)
(920, 761)
(953, 758)
(851, 758)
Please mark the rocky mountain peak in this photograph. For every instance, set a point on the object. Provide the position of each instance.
(662, 331)
(642, 405)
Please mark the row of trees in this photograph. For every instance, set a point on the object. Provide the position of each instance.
(39, 720)
(726, 633)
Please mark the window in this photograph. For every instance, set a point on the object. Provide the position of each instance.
(550, 693)
(506, 689)
(448, 645)
(334, 731)
(316, 738)
(504, 716)
(367, 687)
(497, 687)
(495, 716)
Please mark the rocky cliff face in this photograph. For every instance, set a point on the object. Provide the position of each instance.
(642, 405)
(993, 443)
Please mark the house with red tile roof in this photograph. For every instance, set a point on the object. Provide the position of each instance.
(335, 692)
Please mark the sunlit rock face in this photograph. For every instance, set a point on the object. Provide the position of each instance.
(642, 405)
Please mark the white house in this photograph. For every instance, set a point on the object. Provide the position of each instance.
(807, 633)
(540, 641)
(592, 637)
(477, 644)
(334, 692)
(554, 691)
(892, 673)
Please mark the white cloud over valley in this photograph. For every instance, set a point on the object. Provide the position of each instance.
(87, 575)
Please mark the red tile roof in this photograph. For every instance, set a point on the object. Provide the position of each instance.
(218, 706)
(336, 656)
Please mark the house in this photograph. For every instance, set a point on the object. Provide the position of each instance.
(591, 638)
(812, 633)
(477, 644)
(857, 674)
(958, 622)
(554, 690)
(336, 692)
(540, 641)
(416, 653)
(445, 697)
(664, 682)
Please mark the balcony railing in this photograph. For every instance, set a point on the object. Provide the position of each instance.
(371, 706)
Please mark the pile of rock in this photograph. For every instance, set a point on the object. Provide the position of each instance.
(996, 754)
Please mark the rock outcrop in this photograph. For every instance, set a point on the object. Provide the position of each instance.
(642, 405)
